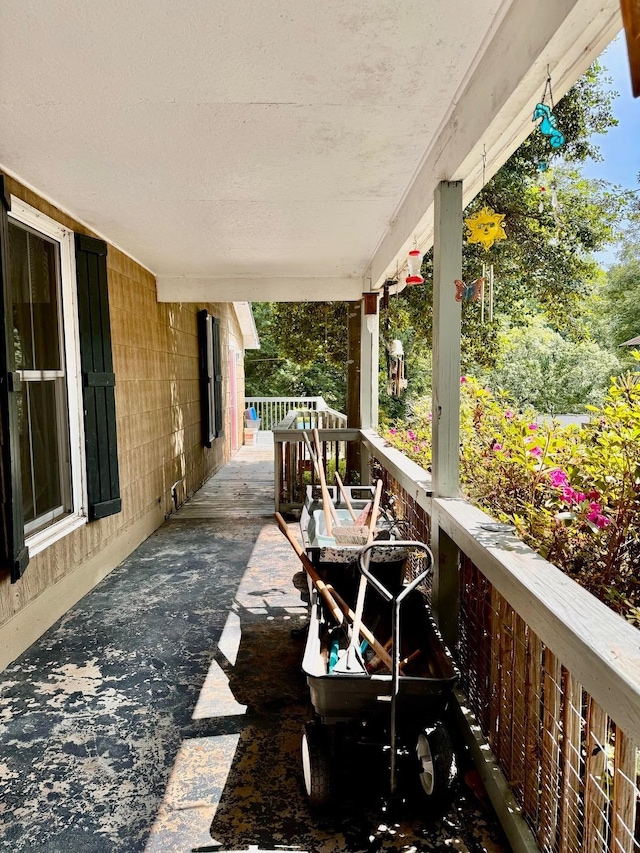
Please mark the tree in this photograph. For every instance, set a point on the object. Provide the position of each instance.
(303, 351)
(541, 370)
(546, 265)
(622, 295)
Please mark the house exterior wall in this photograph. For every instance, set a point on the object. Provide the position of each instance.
(156, 364)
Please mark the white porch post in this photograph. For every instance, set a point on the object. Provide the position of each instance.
(369, 371)
(447, 267)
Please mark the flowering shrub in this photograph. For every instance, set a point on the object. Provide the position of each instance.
(572, 493)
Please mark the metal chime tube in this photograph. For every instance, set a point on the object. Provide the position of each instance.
(484, 272)
(491, 293)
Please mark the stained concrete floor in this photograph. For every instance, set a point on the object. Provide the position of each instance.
(163, 712)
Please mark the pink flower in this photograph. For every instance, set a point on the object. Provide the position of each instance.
(572, 496)
(596, 516)
(393, 431)
(463, 379)
(508, 414)
(536, 451)
(497, 446)
(533, 426)
(558, 478)
(415, 448)
(411, 435)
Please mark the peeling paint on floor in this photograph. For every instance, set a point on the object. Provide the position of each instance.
(163, 713)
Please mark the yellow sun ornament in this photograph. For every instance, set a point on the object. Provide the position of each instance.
(485, 227)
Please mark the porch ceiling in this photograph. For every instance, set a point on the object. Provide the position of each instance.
(274, 149)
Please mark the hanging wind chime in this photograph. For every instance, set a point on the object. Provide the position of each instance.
(485, 227)
(548, 126)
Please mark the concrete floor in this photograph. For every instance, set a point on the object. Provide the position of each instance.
(163, 712)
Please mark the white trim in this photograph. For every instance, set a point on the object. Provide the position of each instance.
(247, 323)
(40, 375)
(29, 216)
(173, 288)
(45, 538)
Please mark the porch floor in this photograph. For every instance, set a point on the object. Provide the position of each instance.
(163, 712)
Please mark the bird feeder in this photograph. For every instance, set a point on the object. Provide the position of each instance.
(414, 262)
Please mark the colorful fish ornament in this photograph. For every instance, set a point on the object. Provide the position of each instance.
(549, 125)
(468, 292)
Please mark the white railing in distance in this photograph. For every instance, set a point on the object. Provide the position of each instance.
(271, 410)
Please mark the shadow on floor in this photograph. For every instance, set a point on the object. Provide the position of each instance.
(164, 712)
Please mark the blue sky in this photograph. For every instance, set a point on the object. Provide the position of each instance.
(620, 147)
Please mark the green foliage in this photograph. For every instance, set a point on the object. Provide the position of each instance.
(622, 295)
(303, 351)
(572, 493)
(540, 369)
(545, 266)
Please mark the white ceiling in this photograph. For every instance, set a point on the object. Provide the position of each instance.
(273, 149)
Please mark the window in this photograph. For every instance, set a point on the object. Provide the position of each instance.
(43, 334)
(58, 443)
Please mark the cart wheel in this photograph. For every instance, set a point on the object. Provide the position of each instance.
(437, 762)
(316, 766)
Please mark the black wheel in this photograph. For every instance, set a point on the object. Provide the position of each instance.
(316, 766)
(437, 765)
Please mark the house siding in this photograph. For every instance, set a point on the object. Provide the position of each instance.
(155, 357)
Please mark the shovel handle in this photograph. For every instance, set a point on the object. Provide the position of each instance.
(374, 511)
(345, 496)
(337, 606)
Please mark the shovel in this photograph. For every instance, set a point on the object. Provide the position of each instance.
(351, 662)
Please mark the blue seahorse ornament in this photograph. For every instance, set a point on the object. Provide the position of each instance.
(549, 125)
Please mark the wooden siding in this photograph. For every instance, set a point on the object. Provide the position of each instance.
(155, 360)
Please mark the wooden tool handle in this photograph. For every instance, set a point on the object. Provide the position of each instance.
(374, 511)
(337, 606)
(365, 633)
(327, 503)
(320, 585)
(345, 496)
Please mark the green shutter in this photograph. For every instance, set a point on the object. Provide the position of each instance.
(217, 378)
(98, 379)
(14, 555)
(210, 377)
(206, 378)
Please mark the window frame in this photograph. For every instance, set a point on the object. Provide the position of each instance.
(23, 214)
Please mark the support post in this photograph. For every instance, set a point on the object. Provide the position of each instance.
(353, 390)
(369, 371)
(447, 267)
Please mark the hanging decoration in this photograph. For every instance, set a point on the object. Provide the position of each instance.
(370, 303)
(543, 167)
(485, 227)
(486, 291)
(414, 262)
(468, 292)
(549, 124)
(397, 381)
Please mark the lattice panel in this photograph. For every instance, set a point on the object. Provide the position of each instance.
(572, 770)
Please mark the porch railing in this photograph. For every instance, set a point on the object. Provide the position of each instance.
(272, 410)
(551, 676)
(293, 466)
